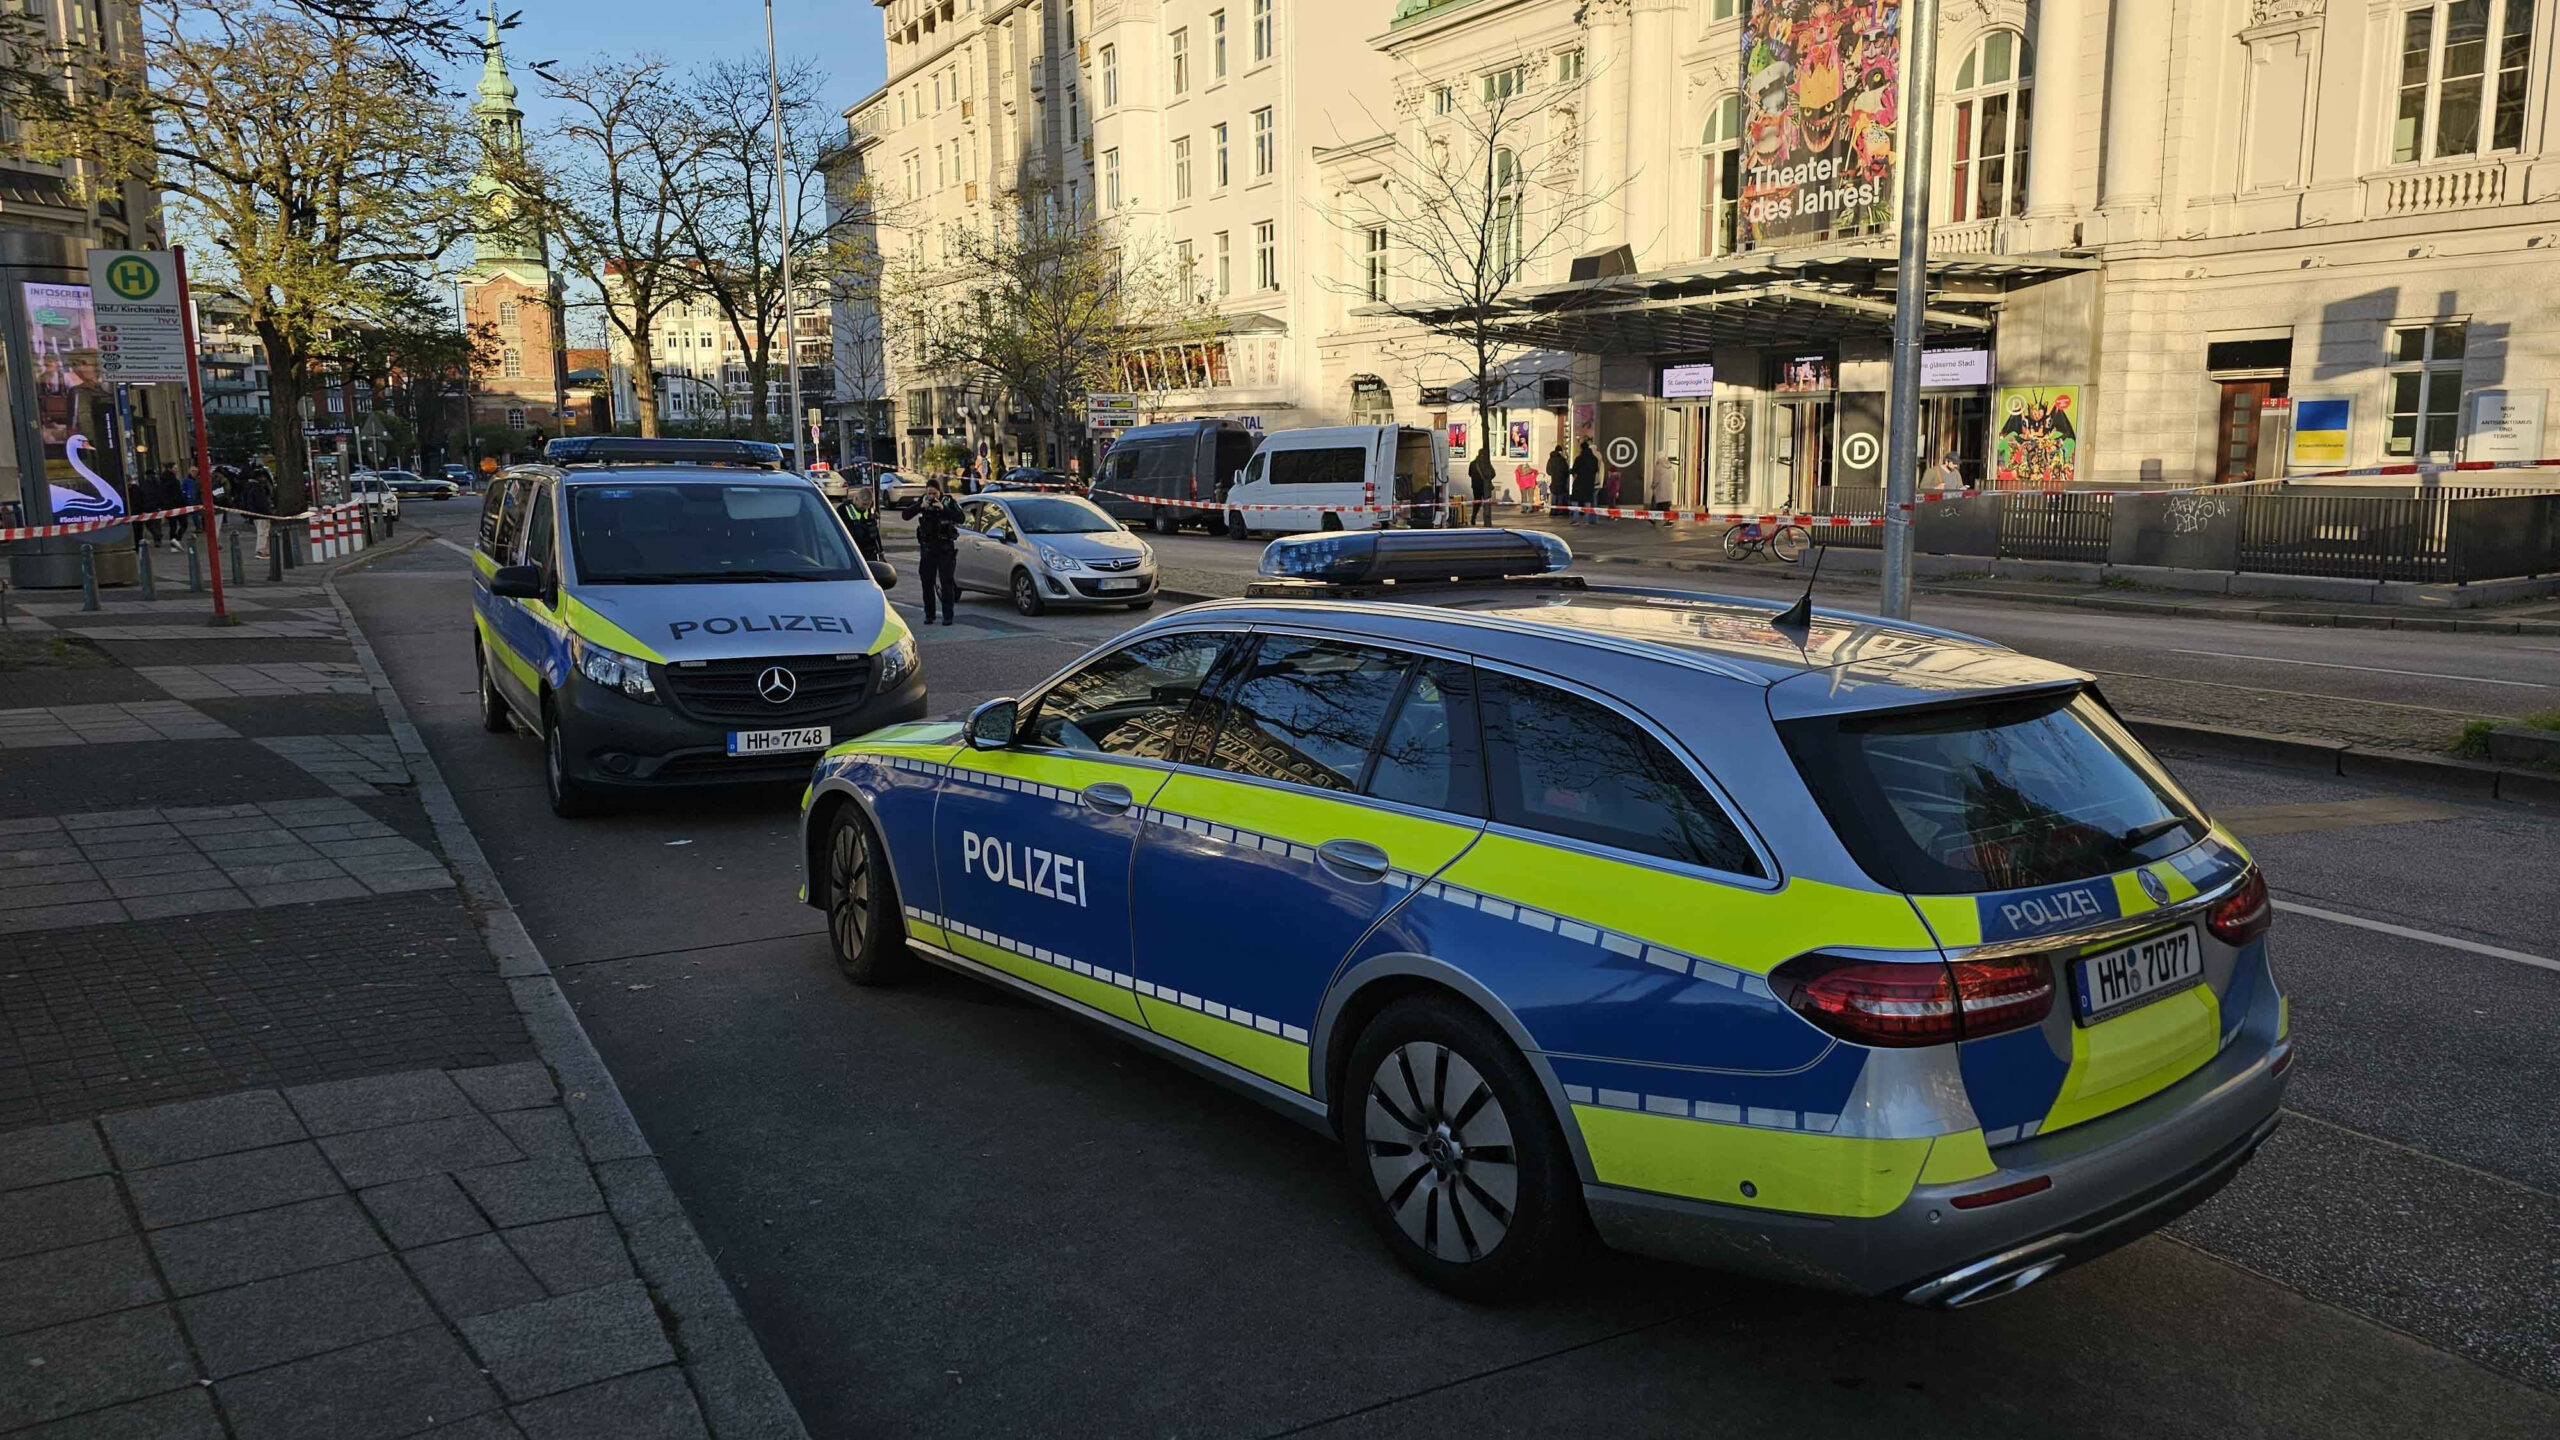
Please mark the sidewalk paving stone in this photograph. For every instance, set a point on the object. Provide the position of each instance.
(518, 1086)
(149, 864)
(44, 1154)
(240, 1249)
(532, 1191)
(554, 1345)
(570, 1255)
(372, 1102)
(651, 1405)
(399, 1385)
(47, 1374)
(460, 1143)
(178, 1415)
(192, 1130)
(423, 1211)
(230, 1184)
(474, 1276)
(252, 1327)
(543, 1134)
(55, 1287)
(48, 1217)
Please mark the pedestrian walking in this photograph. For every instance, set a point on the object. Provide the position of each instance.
(1950, 474)
(1586, 483)
(1559, 476)
(1480, 482)
(173, 496)
(938, 548)
(256, 494)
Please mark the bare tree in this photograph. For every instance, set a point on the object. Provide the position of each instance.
(728, 214)
(1042, 306)
(317, 160)
(1471, 205)
(607, 181)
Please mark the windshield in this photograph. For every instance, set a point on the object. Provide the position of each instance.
(1058, 515)
(1997, 796)
(709, 531)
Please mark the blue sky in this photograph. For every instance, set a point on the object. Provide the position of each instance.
(841, 36)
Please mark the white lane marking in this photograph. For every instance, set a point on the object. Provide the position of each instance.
(465, 551)
(2365, 669)
(2426, 936)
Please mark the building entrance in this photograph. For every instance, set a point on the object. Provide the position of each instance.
(1801, 437)
(2236, 433)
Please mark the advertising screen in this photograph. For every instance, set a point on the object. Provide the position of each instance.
(71, 403)
(1821, 92)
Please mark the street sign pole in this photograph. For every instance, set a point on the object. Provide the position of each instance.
(782, 222)
(195, 412)
(1910, 304)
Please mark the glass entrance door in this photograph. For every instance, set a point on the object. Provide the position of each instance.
(1802, 437)
(2236, 428)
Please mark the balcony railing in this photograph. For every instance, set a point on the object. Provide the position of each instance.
(2470, 186)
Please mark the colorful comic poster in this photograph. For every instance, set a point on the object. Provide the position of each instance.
(1518, 440)
(1821, 88)
(2037, 445)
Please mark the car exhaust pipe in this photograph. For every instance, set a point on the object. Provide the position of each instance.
(1995, 1286)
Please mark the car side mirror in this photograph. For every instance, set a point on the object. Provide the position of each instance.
(991, 724)
(517, 582)
(885, 574)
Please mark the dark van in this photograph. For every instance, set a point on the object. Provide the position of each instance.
(1186, 460)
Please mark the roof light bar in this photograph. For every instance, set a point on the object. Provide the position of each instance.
(635, 450)
(1369, 557)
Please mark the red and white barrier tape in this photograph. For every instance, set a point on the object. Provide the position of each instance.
(75, 527)
(2441, 468)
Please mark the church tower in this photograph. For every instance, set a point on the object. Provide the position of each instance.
(506, 289)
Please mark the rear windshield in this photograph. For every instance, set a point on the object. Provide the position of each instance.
(672, 534)
(1061, 515)
(1997, 796)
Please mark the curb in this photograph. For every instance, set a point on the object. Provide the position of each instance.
(737, 1389)
(2349, 762)
(372, 553)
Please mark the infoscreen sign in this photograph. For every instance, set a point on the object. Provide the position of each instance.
(1821, 95)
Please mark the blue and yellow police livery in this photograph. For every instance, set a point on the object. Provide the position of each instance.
(1859, 954)
(665, 614)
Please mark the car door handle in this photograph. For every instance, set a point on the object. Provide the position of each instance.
(1356, 861)
(1109, 797)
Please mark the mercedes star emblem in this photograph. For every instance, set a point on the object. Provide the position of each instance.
(2152, 886)
(777, 685)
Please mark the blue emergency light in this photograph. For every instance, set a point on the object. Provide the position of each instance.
(1371, 557)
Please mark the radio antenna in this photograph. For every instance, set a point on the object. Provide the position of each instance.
(1797, 619)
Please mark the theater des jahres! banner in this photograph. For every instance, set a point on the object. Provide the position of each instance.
(1821, 84)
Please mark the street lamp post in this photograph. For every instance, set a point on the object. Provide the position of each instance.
(782, 222)
(1910, 305)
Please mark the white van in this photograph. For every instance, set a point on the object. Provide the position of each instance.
(1323, 477)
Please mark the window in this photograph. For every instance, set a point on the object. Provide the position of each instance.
(1225, 272)
(2426, 389)
(507, 312)
(1185, 264)
(1377, 264)
(500, 513)
(515, 418)
(1266, 255)
(538, 547)
(1181, 168)
(1506, 213)
(1567, 766)
(645, 534)
(1502, 84)
(1127, 702)
(1179, 43)
(1111, 179)
(2453, 71)
(1720, 179)
(1266, 143)
(1569, 66)
(1428, 755)
(1988, 142)
(510, 364)
(1218, 157)
(1308, 712)
(1442, 100)
(1262, 30)
(1217, 44)
(1334, 465)
(1727, 9)
(1110, 66)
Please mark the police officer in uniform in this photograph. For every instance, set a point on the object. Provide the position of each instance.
(938, 544)
(861, 512)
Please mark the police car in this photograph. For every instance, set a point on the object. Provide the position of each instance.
(1853, 953)
(679, 613)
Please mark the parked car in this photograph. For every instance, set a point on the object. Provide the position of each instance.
(1024, 477)
(1045, 550)
(1189, 460)
(410, 482)
(460, 474)
(1335, 477)
(374, 491)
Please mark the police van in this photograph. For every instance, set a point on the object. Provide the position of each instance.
(671, 612)
(1850, 952)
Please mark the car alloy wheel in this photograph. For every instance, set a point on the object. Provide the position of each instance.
(1440, 1152)
(494, 717)
(1026, 594)
(860, 916)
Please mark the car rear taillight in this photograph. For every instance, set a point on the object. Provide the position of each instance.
(2244, 914)
(1898, 1004)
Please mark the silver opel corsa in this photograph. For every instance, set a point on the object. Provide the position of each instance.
(1045, 550)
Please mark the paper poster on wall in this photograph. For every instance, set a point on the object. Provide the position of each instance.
(2505, 425)
(1585, 417)
(2037, 445)
(1457, 438)
(1516, 443)
(2320, 433)
(1821, 86)
(1954, 369)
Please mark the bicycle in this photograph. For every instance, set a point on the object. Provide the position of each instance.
(1786, 542)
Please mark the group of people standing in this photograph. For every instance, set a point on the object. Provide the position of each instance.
(163, 489)
(1572, 486)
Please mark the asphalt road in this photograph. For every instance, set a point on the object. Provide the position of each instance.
(947, 1211)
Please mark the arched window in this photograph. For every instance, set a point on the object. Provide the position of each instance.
(1989, 136)
(507, 313)
(511, 364)
(1720, 179)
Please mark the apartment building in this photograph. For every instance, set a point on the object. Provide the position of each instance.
(2173, 240)
(701, 367)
